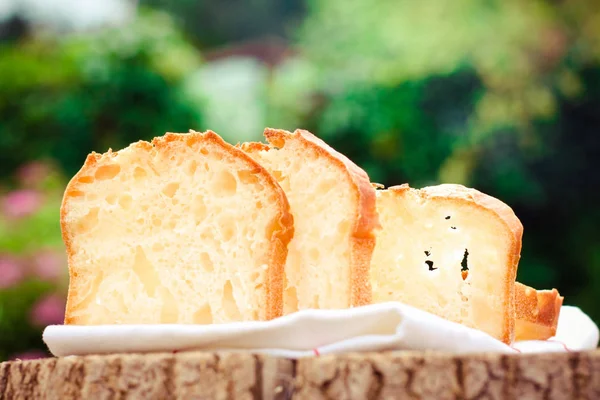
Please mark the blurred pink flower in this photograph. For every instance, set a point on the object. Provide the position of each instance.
(20, 203)
(50, 310)
(29, 355)
(49, 264)
(11, 271)
(33, 174)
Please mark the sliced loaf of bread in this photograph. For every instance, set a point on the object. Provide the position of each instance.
(536, 312)
(334, 210)
(186, 229)
(451, 251)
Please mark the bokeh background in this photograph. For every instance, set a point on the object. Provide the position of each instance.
(500, 95)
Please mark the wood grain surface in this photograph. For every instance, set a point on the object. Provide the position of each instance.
(405, 375)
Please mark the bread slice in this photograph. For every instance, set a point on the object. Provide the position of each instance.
(334, 209)
(451, 251)
(536, 312)
(186, 229)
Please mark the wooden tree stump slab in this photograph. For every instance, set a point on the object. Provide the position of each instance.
(390, 375)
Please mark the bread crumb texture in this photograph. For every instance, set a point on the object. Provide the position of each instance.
(185, 229)
(451, 251)
(334, 210)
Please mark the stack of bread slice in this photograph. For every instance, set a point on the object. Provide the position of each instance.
(190, 229)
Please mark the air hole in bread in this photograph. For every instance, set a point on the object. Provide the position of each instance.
(206, 262)
(170, 189)
(157, 247)
(75, 193)
(125, 201)
(139, 173)
(442, 301)
(145, 271)
(205, 236)
(277, 174)
(171, 224)
(191, 168)
(430, 266)
(247, 177)
(228, 231)
(204, 151)
(464, 265)
(290, 299)
(283, 180)
(277, 142)
(325, 186)
(254, 276)
(285, 184)
(117, 297)
(259, 205)
(229, 304)
(217, 156)
(107, 171)
(313, 254)
(92, 289)
(199, 208)
(344, 227)
(111, 199)
(225, 184)
(88, 221)
(156, 222)
(316, 300)
(203, 316)
(86, 179)
(169, 313)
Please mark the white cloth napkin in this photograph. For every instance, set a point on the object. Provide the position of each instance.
(385, 326)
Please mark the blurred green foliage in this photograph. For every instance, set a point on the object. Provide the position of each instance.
(90, 91)
(19, 335)
(61, 98)
(30, 240)
(41, 229)
(498, 95)
(214, 23)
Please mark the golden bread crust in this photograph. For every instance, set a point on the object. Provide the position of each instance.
(366, 220)
(283, 227)
(483, 201)
(537, 312)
